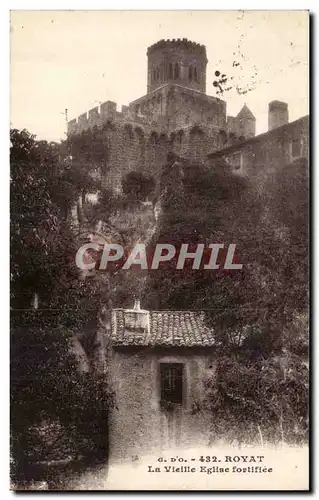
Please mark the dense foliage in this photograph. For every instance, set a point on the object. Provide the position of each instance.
(50, 307)
(259, 313)
(260, 401)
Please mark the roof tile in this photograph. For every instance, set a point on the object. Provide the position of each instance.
(167, 328)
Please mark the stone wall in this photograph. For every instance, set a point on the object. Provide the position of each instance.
(264, 154)
(166, 109)
(140, 137)
(171, 118)
(138, 426)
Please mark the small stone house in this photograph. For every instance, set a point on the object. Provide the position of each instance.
(158, 364)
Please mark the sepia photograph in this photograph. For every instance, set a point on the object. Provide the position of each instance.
(159, 250)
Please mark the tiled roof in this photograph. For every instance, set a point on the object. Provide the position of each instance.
(166, 328)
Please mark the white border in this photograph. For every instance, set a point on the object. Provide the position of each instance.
(4, 195)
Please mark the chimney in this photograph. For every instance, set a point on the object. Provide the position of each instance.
(137, 320)
(35, 301)
(137, 305)
(277, 114)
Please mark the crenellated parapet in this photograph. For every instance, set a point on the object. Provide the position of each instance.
(100, 115)
(177, 43)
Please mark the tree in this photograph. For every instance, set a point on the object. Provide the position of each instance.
(49, 307)
(200, 205)
(214, 205)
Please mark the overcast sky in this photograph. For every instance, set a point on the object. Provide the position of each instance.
(77, 59)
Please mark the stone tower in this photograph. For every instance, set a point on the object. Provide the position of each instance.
(246, 123)
(177, 61)
(175, 115)
(277, 114)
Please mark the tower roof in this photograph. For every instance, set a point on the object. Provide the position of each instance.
(245, 113)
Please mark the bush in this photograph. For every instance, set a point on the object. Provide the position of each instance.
(259, 401)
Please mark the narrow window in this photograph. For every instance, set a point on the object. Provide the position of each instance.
(190, 73)
(171, 375)
(176, 71)
(296, 148)
(195, 75)
(170, 71)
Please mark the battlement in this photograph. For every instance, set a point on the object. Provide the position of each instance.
(177, 43)
(100, 115)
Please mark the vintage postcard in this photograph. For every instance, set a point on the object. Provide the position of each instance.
(159, 250)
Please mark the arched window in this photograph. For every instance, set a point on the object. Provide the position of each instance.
(157, 74)
(129, 134)
(176, 76)
(153, 138)
(196, 130)
(170, 71)
(180, 135)
(163, 138)
(162, 73)
(172, 137)
(154, 75)
(140, 135)
(190, 73)
(195, 75)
